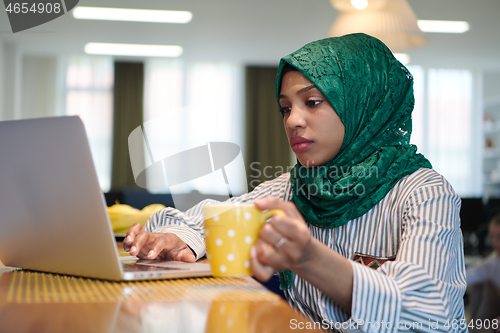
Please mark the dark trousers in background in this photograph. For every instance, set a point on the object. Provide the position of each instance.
(484, 302)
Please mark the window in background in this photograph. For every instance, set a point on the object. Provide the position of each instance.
(450, 124)
(443, 126)
(89, 94)
(187, 105)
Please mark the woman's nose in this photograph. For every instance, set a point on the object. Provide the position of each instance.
(295, 118)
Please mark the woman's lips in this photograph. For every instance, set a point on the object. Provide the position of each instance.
(301, 147)
(300, 144)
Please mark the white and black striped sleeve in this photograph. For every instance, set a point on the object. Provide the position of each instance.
(188, 225)
(426, 282)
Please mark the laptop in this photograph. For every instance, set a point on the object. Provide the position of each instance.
(53, 215)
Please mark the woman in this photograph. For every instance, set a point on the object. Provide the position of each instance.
(371, 235)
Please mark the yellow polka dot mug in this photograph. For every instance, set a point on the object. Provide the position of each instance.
(230, 231)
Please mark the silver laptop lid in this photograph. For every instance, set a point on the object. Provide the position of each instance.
(52, 212)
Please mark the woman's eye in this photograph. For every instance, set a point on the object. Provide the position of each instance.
(313, 102)
(285, 109)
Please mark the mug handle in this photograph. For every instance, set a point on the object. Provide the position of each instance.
(267, 214)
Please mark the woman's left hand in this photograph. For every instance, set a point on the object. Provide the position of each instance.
(284, 243)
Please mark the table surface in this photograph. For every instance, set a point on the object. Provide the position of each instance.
(42, 302)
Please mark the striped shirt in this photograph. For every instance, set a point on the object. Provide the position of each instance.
(417, 224)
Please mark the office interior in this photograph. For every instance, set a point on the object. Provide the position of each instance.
(222, 89)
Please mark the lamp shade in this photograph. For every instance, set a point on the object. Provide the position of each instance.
(395, 24)
(346, 5)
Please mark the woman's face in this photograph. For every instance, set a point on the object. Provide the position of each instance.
(315, 131)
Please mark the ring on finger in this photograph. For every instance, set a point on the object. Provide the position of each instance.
(281, 242)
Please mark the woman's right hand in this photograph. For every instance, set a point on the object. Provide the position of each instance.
(152, 245)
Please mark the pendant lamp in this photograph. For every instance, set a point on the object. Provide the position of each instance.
(391, 21)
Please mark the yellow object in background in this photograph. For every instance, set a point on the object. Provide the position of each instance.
(124, 216)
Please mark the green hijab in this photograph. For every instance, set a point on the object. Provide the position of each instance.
(372, 93)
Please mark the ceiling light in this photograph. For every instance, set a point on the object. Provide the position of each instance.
(403, 58)
(128, 14)
(394, 23)
(348, 5)
(359, 4)
(456, 27)
(144, 50)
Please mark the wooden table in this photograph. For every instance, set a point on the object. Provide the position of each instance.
(39, 302)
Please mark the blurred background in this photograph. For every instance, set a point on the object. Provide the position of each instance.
(226, 67)
(212, 79)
